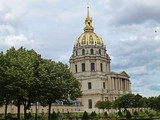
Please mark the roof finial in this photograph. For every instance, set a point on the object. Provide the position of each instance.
(88, 12)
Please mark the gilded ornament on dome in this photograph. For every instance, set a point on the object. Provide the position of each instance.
(98, 41)
(84, 37)
(91, 42)
(83, 41)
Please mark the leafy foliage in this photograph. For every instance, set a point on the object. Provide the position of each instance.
(85, 116)
(21, 71)
(128, 115)
(103, 104)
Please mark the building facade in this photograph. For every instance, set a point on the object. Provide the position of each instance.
(90, 65)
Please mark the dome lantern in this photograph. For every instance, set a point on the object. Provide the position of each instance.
(88, 23)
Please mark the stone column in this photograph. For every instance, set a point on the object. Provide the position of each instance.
(79, 66)
(116, 85)
(113, 83)
(97, 64)
(120, 84)
(87, 65)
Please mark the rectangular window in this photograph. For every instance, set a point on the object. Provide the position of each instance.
(83, 67)
(101, 67)
(90, 103)
(83, 52)
(92, 67)
(75, 68)
(89, 85)
(104, 85)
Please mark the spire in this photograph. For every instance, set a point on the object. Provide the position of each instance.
(88, 23)
(88, 12)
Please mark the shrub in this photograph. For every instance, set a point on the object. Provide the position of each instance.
(85, 116)
(93, 114)
(54, 115)
(9, 115)
(135, 114)
(28, 115)
(105, 114)
(120, 114)
(128, 115)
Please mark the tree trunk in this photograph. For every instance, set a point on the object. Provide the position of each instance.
(26, 105)
(25, 113)
(36, 112)
(18, 109)
(49, 111)
(5, 112)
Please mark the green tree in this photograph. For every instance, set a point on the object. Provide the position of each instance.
(154, 103)
(108, 104)
(103, 105)
(143, 102)
(57, 83)
(125, 101)
(20, 74)
(85, 116)
(100, 105)
(6, 88)
(151, 102)
(137, 101)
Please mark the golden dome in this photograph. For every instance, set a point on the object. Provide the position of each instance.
(89, 37)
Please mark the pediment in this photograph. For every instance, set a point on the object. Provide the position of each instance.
(123, 73)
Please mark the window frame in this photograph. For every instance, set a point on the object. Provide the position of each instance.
(92, 65)
(90, 104)
(83, 67)
(76, 70)
(101, 67)
(83, 51)
(89, 85)
(92, 52)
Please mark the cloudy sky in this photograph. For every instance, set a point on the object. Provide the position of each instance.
(129, 28)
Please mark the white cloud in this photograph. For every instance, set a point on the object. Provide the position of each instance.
(155, 87)
(127, 28)
(16, 40)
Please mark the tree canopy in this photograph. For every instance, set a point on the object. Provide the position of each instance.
(26, 77)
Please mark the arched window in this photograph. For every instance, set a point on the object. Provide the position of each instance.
(92, 51)
(83, 52)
